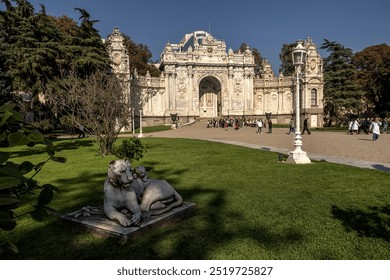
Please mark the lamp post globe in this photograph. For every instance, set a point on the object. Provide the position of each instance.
(298, 156)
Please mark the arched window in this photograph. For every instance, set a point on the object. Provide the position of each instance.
(313, 97)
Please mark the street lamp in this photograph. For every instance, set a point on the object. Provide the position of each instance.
(298, 156)
(140, 135)
(132, 117)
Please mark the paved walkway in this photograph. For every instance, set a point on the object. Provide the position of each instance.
(338, 147)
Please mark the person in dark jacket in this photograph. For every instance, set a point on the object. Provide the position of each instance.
(306, 127)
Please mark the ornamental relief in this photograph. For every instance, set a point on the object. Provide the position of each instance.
(181, 85)
(182, 96)
(288, 96)
(237, 86)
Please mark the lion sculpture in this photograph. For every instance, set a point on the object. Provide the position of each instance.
(120, 195)
(158, 195)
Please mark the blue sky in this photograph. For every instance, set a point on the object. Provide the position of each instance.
(265, 25)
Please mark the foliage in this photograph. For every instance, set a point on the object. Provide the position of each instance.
(96, 104)
(17, 180)
(140, 58)
(373, 64)
(35, 48)
(342, 93)
(31, 48)
(257, 56)
(130, 149)
(287, 66)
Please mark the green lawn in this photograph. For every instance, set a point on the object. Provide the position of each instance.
(249, 206)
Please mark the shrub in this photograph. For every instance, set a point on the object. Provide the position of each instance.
(130, 149)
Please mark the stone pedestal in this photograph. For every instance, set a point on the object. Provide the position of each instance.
(101, 226)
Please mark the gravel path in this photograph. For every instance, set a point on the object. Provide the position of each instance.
(339, 144)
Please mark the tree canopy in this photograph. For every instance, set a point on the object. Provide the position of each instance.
(373, 65)
(36, 47)
(257, 56)
(140, 58)
(287, 66)
(342, 93)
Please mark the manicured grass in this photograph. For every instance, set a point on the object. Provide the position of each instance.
(149, 129)
(249, 206)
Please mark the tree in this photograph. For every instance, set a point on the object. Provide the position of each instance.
(31, 49)
(342, 93)
(140, 58)
(256, 55)
(85, 52)
(287, 67)
(373, 64)
(96, 103)
(17, 181)
(5, 80)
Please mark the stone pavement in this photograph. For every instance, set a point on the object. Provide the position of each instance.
(337, 147)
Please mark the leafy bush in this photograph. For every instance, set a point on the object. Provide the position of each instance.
(130, 150)
(17, 180)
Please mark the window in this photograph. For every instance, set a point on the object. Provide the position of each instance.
(313, 97)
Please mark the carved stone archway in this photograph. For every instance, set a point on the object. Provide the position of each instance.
(210, 105)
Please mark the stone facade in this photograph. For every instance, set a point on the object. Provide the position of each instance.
(201, 79)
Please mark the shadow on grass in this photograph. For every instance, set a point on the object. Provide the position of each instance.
(374, 222)
(59, 146)
(213, 227)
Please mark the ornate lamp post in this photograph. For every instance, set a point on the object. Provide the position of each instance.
(140, 135)
(132, 117)
(298, 156)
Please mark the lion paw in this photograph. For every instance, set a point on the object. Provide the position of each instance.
(125, 222)
(136, 219)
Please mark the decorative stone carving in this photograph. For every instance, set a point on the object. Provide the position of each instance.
(237, 86)
(119, 194)
(199, 55)
(135, 192)
(158, 196)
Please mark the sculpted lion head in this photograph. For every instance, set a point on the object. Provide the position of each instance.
(119, 173)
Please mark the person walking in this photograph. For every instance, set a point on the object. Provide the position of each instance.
(306, 126)
(291, 126)
(385, 126)
(375, 128)
(259, 126)
(269, 126)
(355, 126)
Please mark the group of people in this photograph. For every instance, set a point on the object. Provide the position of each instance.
(263, 123)
(238, 123)
(235, 122)
(375, 125)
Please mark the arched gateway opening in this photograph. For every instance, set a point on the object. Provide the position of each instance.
(210, 105)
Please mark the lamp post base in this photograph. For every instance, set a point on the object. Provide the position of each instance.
(140, 135)
(298, 156)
